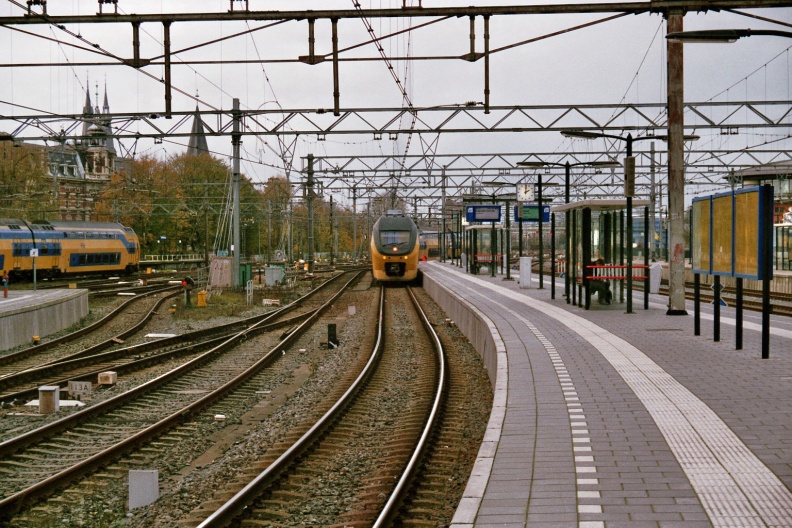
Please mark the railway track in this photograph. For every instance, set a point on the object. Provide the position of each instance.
(23, 385)
(355, 465)
(38, 463)
(122, 322)
(199, 458)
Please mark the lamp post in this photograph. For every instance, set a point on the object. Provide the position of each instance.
(629, 139)
(567, 176)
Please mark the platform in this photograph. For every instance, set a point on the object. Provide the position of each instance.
(28, 313)
(603, 419)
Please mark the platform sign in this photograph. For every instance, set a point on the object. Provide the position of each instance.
(530, 213)
(728, 233)
(483, 213)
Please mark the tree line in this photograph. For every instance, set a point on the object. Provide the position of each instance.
(182, 204)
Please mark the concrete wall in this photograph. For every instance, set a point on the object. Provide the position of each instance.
(43, 314)
(478, 329)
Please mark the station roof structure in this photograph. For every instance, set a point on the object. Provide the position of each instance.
(769, 171)
(605, 204)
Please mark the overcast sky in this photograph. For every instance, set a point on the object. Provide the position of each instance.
(621, 61)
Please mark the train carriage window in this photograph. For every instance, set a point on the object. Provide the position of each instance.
(21, 250)
(394, 237)
(44, 250)
(82, 260)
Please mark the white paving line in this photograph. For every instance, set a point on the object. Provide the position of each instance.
(734, 486)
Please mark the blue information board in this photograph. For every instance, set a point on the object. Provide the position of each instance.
(530, 213)
(483, 213)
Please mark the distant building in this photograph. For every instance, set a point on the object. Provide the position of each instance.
(81, 169)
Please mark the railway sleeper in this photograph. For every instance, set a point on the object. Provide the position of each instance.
(426, 505)
(284, 497)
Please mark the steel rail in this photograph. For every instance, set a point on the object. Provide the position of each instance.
(402, 486)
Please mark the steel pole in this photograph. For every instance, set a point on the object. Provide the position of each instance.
(309, 196)
(236, 141)
(567, 233)
(676, 168)
(541, 227)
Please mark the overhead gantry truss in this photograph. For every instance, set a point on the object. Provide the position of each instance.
(420, 174)
(728, 118)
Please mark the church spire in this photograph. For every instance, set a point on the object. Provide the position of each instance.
(197, 144)
(106, 122)
(106, 106)
(87, 108)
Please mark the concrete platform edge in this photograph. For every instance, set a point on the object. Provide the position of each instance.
(50, 313)
(484, 336)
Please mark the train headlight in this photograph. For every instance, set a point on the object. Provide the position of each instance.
(395, 249)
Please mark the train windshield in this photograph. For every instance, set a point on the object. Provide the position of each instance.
(394, 238)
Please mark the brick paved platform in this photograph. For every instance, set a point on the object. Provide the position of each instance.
(603, 419)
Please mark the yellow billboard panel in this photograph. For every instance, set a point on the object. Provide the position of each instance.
(731, 233)
(746, 234)
(722, 221)
(700, 239)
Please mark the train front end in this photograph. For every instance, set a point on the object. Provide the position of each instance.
(394, 248)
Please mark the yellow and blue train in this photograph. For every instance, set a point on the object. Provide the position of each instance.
(63, 247)
(394, 248)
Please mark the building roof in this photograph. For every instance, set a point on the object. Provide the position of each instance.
(769, 171)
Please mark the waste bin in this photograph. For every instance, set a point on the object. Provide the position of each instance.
(655, 277)
(525, 272)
